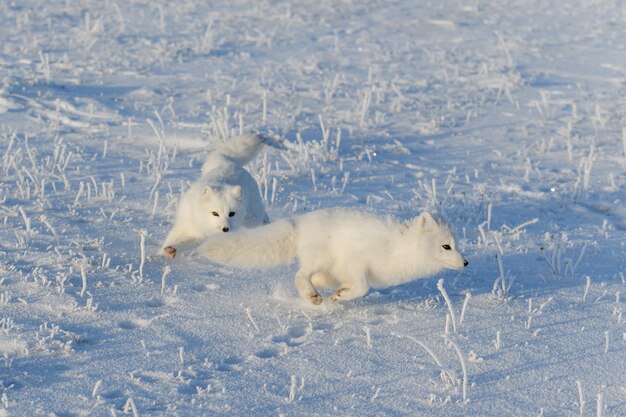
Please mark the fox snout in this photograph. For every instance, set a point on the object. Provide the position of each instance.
(458, 263)
(225, 229)
(464, 263)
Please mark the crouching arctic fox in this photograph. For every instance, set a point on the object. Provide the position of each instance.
(223, 199)
(343, 249)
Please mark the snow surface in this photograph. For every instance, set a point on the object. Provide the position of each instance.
(506, 116)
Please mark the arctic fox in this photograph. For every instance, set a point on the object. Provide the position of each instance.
(343, 249)
(224, 198)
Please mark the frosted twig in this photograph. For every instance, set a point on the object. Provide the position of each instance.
(604, 293)
(368, 336)
(120, 16)
(544, 304)
(581, 398)
(46, 223)
(264, 114)
(79, 193)
(154, 204)
(464, 308)
(26, 219)
(375, 395)
(133, 407)
(501, 269)
(158, 133)
(521, 226)
(325, 132)
(96, 388)
(448, 302)
(426, 348)
(249, 314)
(313, 179)
(338, 139)
(344, 183)
(166, 270)
(482, 234)
(580, 257)
(288, 160)
(292, 389)
(587, 285)
(463, 368)
(528, 322)
(84, 279)
(156, 184)
(274, 190)
(495, 238)
(142, 246)
(505, 48)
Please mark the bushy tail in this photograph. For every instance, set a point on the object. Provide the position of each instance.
(242, 149)
(270, 245)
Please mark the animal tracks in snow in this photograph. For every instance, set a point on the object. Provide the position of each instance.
(267, 353)
(295, 336)
(131, 324)
(202, 287)
(232, 363)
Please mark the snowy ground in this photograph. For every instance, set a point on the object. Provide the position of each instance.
(507, 116)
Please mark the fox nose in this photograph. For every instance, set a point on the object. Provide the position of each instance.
(225, 229)
(465, 263)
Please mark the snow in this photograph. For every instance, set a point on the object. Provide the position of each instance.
(508, 117)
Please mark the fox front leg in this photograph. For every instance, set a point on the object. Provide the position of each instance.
(354, 286)
(170, 252)
(179, 236)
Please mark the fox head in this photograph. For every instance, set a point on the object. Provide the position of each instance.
(222, 207)
(438, 240)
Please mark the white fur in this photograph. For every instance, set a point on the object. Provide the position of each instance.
(224, 187)
(342, 249)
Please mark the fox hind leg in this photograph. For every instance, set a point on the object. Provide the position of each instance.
(323, 280)
(305, 288)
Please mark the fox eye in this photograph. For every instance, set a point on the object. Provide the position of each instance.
(231, 214)
(446, 247)
(216, 214)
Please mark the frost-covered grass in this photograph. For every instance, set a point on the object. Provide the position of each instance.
(507, 117)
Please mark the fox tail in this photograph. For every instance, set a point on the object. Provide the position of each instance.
(243, 149)
(266, 246)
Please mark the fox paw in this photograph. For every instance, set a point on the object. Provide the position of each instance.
(170, 252)
(315, 298)
(337, 295)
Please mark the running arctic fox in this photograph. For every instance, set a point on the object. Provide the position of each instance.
(343, 249)
(224, 198)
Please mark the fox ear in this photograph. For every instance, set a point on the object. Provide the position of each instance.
(207, 191)
(425, 221)
(236, 192)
